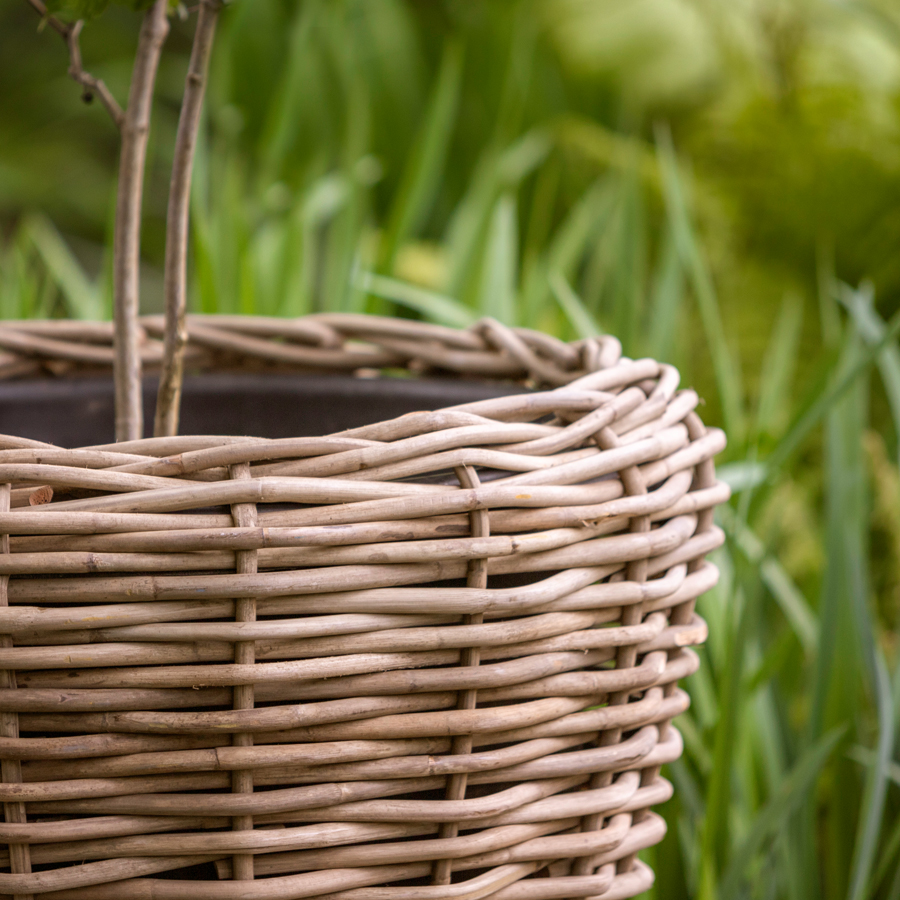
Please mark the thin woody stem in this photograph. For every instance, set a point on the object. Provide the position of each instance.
(168, 399)
(127, 238)
(70, 34)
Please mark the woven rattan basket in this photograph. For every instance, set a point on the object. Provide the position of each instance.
(430, 657)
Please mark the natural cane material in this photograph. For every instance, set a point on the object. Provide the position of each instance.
(431, 657)
(168, 398)
(133, 123)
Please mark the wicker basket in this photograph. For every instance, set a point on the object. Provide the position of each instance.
(432, 657)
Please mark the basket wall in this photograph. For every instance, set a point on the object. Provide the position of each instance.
(433, 657)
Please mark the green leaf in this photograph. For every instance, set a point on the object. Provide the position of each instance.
(871, 819)
(742, 475)
(83, 300)
(629, 269)
(773, 816)
(575, 311)
(435, 307)
(861, 305)
(497, 172)
(828, 396)
(782, 587)
(694, 262)
(778, 365)
(666, 299)
(421, 178)
(574, 236)
(500, 264)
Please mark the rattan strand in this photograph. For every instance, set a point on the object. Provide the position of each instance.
(429, 658)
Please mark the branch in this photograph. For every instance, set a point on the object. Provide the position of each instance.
(127, 238)
(70, 34)
(168, 398)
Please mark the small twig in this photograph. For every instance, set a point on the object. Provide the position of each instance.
(134, 125)
(92, 86)
(168, 399)
(127, 239)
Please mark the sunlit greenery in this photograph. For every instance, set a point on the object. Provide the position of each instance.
(715, 181)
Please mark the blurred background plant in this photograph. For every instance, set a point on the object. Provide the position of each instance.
(717, 183)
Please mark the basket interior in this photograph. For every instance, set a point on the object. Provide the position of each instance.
(79, 412)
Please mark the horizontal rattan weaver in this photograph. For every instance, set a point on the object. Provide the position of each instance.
(430, 657)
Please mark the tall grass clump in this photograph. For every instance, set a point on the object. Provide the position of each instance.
(716, 184)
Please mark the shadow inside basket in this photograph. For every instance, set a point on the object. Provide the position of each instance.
(78, 412)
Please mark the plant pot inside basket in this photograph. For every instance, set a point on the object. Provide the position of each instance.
(79, 412)
(432, 657)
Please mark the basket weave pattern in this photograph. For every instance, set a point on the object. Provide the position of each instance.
(434, 657)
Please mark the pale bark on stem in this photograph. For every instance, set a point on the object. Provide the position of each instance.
(127, 239)
(168, 399)
(134, 126)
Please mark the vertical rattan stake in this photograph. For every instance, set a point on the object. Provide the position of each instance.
(11, 769)
(626, 656)
(479, 526)
(244, 515)
(168, 399)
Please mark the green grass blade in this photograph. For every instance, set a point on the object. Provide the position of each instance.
(866, 757)
(204, 271)
(587, 216)
(891, 846)
(83, 300)
(828, 397)
(341, 252)
(522, 157)
(875, 796)
(496, 172)
(500, 264)
(573, 307)
(567, 248)
(829, 317)
(860, 304)
(841, 675)
(539, 221)
(717, 824)
(19, 282)
(629, 272)
(725, 367)
(894, 893)
(299, 95)
(325, 198)
(607, 148)
(421, 178)
(434, 307)
(743, 475)
(666, 299)
(468, 223)
(779, 365)
(773, 816)
(872, 665)
(792, 602)
(789, 597)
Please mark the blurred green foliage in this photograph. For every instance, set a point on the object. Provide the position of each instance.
(706, 179)
(89, 9)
